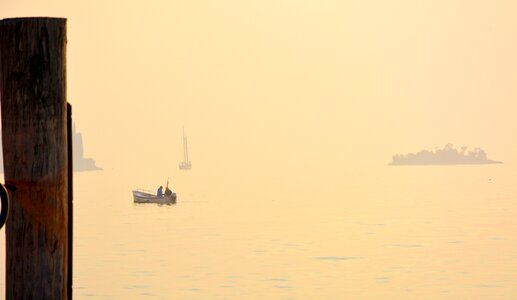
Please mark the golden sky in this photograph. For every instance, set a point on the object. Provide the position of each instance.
(282, 82)
(303, 102)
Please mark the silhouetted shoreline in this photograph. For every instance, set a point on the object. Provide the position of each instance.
(81, 163)
(446, 156)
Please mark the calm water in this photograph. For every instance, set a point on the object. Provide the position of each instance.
(389, 233)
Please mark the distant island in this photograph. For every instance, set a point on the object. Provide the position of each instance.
(446, 156)
(80, 162)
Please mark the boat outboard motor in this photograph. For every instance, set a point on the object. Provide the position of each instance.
(5, 205)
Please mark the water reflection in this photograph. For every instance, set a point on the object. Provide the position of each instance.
(172, 203)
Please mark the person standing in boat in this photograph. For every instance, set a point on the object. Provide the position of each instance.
(159, 193)
(168, 191)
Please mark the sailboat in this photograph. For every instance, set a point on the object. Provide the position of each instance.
(185, 164)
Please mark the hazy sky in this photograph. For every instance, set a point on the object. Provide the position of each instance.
(279, 84)
(303, 102)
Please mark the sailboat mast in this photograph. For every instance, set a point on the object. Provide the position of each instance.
(186, 149)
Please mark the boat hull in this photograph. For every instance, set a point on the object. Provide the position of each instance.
(143, 197)
(185, 165)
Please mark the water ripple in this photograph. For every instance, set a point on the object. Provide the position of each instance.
(408, 245)
(337, 257)
(279, 279)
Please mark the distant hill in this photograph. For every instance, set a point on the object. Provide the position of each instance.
(446, 156)
(80, 162)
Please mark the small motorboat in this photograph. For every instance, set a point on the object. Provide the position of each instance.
(146, 197)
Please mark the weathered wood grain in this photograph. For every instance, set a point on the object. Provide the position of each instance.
(34, 135)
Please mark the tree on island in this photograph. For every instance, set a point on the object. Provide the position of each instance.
(446, 156)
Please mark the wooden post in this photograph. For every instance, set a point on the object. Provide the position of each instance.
(34, 135)
(70, 150)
